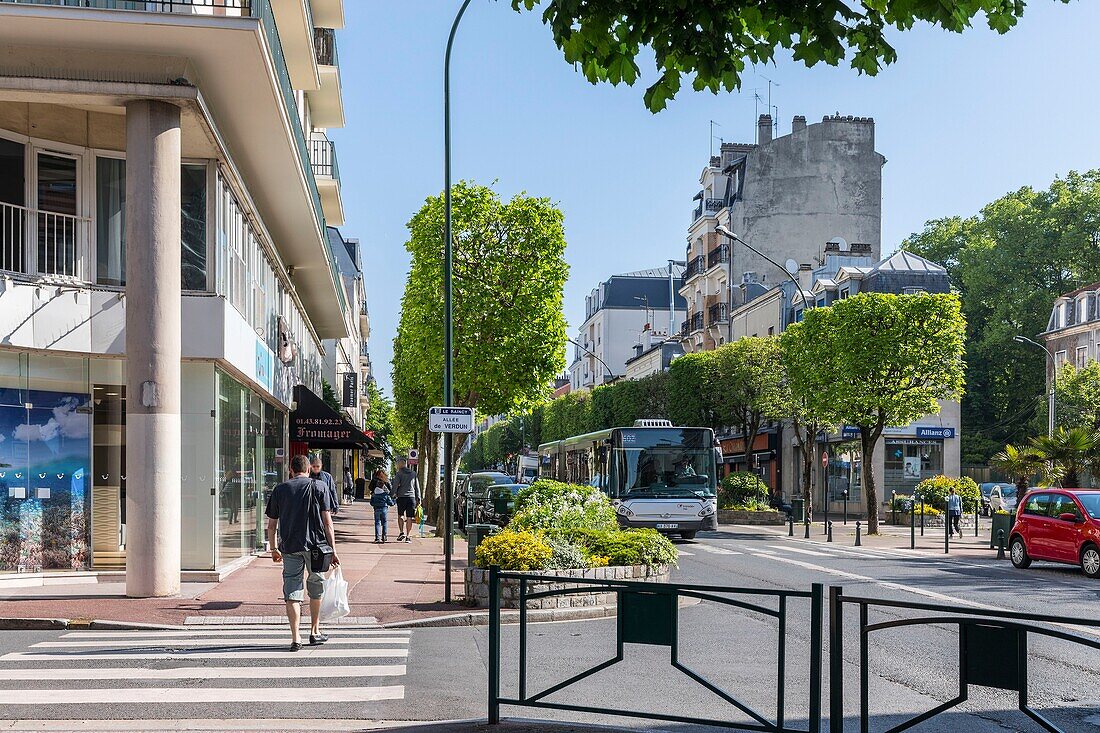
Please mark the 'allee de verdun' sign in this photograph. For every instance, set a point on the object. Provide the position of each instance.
(451, 419)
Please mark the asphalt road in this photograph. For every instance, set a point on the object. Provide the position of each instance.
(440, 674)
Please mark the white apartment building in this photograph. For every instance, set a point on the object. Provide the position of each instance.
(167, 281)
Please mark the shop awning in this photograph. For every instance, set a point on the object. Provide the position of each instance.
(318, 425)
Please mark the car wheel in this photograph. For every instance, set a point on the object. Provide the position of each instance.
(1090, 561)
(1018, 552)
(687, 535)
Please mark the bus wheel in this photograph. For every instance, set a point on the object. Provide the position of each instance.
(688, 535)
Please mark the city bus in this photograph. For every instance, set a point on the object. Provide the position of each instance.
(655, 474)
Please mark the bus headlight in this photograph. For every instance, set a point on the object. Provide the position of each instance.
(707, 510)
(624, 510)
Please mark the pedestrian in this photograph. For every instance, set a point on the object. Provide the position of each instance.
(349, 486)
(229, 496)
(406, 490)
(381, 500)
(325, 477)
(954, 512)
(361, 489)
(300, 514)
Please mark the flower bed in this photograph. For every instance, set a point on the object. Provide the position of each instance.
(477, 586)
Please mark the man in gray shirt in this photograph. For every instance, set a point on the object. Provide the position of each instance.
(406, 490)
(318, 474)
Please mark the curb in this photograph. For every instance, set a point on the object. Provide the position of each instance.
(511, 616)
(33, 624)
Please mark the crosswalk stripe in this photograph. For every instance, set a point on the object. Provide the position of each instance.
(714, 549)
(799, 550)
(283, 631)
(279, 653)
(202, 673)
(228, 641)
(683, 553)
(198, 695)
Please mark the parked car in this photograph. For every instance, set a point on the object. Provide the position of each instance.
(473, 493)
(986, 490)
(500, 505)
(1003, 496)
(1060, 525)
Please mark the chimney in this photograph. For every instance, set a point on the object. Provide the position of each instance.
(764, 129)
(799, 123)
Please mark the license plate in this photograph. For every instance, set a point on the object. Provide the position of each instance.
(668, 526)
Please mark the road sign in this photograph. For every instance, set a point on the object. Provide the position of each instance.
(413, 454)
(824, 459)
(451, 419)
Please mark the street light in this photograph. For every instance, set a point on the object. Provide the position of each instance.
(807, 302)
(1053, 380)
(594, 356)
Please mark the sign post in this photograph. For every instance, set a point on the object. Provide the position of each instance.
(449, 420)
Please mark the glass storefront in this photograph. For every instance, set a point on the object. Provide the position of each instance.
(63, 464)
(908, 461)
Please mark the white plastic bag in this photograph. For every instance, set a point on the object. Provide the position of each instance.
(334, 602)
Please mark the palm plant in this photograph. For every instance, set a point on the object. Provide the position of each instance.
(1021, 463)
(1070, 453)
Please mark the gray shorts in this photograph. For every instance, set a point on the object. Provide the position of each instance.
(295, 567)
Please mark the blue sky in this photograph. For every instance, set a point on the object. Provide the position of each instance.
(961, 120)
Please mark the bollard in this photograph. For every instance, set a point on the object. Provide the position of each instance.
(790, 524)
(913, 524)
(1000, 544)
(825, 524)
(845, 506)
(893, 507)
(829, 529)
(922, 516)
(946, 532)
(858, 528)
(807, 529)
(977, 516)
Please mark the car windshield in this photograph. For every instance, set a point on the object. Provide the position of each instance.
(1008, 492)
(1091, 502)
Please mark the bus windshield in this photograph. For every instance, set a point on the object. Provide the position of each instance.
(664, 463)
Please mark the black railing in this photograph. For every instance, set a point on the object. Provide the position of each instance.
(648, 613)
(324, 43)
(718, 313)
(322, 157)
(713, 205)
(685, 327)
(695, 266)
(697, 323)
(718, 255)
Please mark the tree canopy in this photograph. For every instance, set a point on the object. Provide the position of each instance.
(713, 40)
(1008, 263)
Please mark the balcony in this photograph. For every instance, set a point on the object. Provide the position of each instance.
(710, 207)
(695, 267)
(45, 243)
(326, 169)
(326, 103)
(718, 313)
(718, 256)
(692, 324)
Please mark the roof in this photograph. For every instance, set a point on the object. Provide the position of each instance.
(661, 272)
(1083, 289)
(902, 261)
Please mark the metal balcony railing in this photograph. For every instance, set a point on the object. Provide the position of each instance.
(324, 43)
(56, 240)
(698, 212)
(322, 156)
(718, 313)
(717, 256)
(713, 205)
(695, 266)
(696, 322)
(685, 328)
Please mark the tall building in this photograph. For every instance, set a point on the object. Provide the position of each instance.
(618, 313)
(166, 276)
(787, 197)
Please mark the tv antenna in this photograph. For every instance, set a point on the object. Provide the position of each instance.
(712, 124)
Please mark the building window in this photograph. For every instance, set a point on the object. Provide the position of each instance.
(771, 330)
(1082, 357)
(912, 290)
(1059, 360)
(909, 461)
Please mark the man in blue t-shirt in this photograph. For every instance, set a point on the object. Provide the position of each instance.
(301, 510)
(954, 513)
(318, 473)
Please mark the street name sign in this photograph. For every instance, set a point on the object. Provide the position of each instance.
(451, 419)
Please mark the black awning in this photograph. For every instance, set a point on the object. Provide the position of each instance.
(315, 423)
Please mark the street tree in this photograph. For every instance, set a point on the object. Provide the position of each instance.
(803, 378)
(1022, 463)
(1078, 395)
(1044, 242)
(381, 421)
(688, 403)
(884, 360)
(1069, 453)
(745, 386)
(509, 330)
(714, 40)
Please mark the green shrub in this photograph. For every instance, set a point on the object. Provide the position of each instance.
(553, 506)
(513, 550)
(743, 490)
(566, 555)
(935, 490)
(625, 547)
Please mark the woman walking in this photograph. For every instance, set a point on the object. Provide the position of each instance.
(381, 500)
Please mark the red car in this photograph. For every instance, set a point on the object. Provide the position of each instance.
(1062, 525)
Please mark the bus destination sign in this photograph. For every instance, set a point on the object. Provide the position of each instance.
(451, 419)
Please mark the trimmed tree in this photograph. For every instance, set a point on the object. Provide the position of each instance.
(509, 273)
(745, 386)
(884, 360)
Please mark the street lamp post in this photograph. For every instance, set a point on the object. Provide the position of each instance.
(594, 356)
(448, 311)
(1053, 380)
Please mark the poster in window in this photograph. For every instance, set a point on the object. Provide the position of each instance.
(911, 468)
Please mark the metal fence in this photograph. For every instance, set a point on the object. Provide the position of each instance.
(648, 613)
(56, 240)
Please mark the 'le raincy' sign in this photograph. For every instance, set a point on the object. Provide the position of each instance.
(451, 419)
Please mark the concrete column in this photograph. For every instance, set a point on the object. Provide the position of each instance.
(152, 349)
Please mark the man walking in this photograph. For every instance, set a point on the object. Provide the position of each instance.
(318, 474)
(406, 490)
(349, 485)
(300, 510)
(954, 512)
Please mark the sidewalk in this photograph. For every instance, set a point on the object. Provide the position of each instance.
(388, 584)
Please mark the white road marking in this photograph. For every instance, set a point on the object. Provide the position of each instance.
(799, 550)
(682, 553)
(204, 673)
(198, 695)
(714, 549)
(213, 643)
(279, 653)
